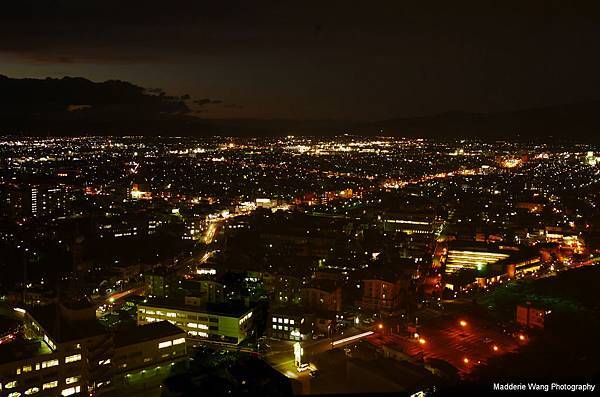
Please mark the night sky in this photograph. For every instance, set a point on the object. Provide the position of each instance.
(350, 60)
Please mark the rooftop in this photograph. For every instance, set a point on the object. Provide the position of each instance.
(229, 309)
(22, 349)
(64, 327)
(145, 333)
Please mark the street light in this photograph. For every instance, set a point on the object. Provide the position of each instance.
(422, 341)
(495, 348)
(521, 337)
(466, 360)
(463, 323)
(380, 326)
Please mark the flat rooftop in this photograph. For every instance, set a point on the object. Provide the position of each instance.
(145, 333)
(22, 349)
(217, 309)
(62, 329)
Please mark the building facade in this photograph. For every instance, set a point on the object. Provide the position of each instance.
(218, 323)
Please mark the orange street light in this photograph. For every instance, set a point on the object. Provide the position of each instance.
(422, 341)
(462, 323)
(495, 348)
(380, 326)
(466, 360)
(521, 337)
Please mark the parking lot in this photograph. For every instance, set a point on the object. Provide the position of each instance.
(462, 341)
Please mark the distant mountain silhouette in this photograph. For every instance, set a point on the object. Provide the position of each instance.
(576, 121)
(572, 122)
(77, 106)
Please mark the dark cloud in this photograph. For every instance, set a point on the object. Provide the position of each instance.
(31, 102)
(207, 101)
(42, 96)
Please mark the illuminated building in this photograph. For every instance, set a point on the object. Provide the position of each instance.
(472, 256)
(410, 222)
(152, 347)
(520, 265)
(265, 203)
(218, 323)
(322, 294)
(342, 194)
(289, 324)
(34, 200)
(136, 194)
(383, 293)
(64, 350)
(591, 159)
(490, 263)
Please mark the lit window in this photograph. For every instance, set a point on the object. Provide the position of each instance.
(10, 385)
(32, 390)
(72, 379)
(286, 321)
(70, 391)
(14, 394)
(27, 368)
(171, 314)
(292, 322)
(50, 385)
(73, 358)
(178, 341)
(164, 344)
(50, 363)
(274, 326)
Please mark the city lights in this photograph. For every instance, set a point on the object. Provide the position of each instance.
(183, 246)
